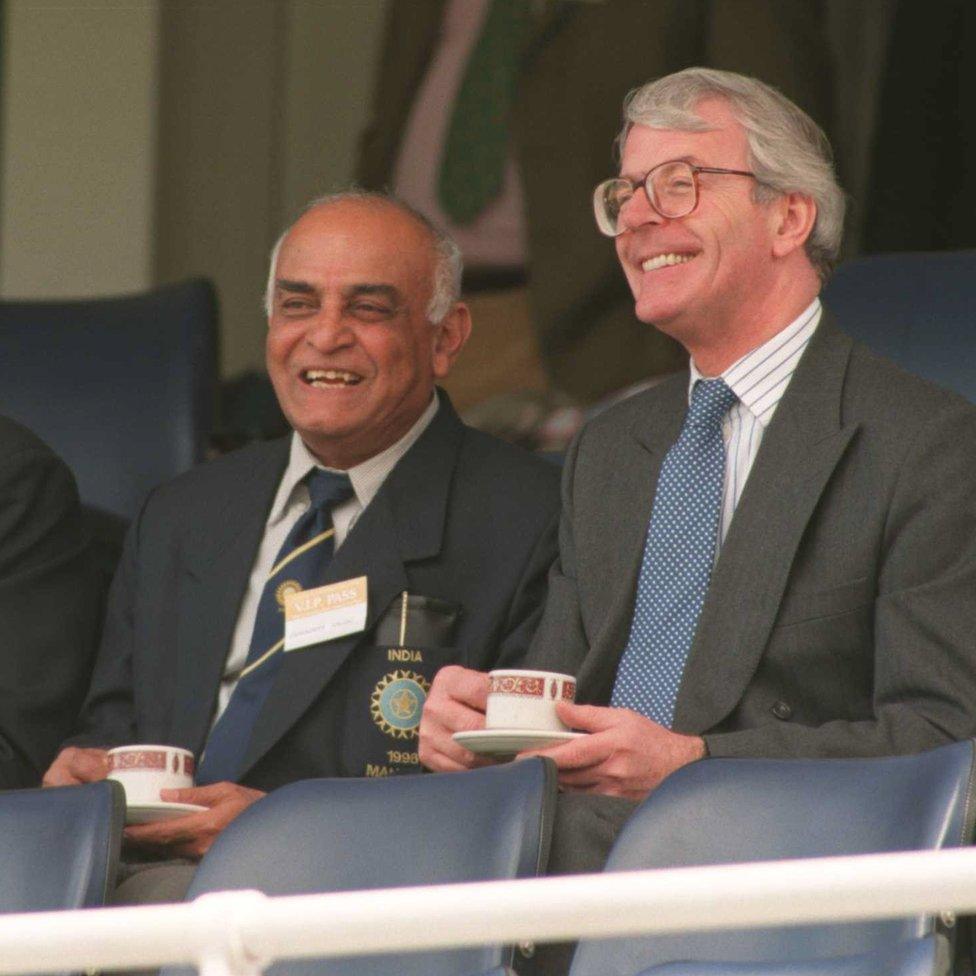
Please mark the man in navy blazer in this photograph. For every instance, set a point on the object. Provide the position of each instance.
(453, 530)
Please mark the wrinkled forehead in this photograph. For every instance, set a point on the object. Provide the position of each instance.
(357, 240)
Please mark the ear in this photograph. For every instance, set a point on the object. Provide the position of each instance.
(450, 335)
(794, 215)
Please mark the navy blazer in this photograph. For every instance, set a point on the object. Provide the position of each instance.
(465, 524)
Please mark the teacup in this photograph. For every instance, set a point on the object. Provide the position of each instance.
(527, 699)
(144, 770)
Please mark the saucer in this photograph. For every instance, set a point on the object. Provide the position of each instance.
(143, 813)
(507, 742)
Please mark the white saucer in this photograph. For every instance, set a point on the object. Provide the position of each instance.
(142, 813)
(507, 742)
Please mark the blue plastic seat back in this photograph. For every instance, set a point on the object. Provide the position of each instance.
(915, 309)
(347, 834)
(928, 956)
(724, 811)
(122, 388)
(59, 847)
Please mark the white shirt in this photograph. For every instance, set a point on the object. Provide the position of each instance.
(291, 502)
(759, 379)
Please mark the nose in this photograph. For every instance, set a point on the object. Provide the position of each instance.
(637, 211)
(330, 330)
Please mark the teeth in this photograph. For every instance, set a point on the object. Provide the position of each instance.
(329, 377)
(665, 260)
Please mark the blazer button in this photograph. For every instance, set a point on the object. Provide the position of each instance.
(781, 710)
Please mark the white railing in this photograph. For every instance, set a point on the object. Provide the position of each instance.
(240, 933)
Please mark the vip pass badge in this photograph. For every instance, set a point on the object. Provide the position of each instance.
(324, 613)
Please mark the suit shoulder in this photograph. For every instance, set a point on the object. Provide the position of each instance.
(15, 438)
(219, 476)
(879, 391)
(500, 466)
(621, 416)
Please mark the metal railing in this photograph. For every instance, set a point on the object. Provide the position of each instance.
(240, 933)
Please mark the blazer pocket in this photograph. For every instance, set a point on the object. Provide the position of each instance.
(415, 620)
(802, 605)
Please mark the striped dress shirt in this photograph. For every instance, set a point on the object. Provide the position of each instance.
(759, 379)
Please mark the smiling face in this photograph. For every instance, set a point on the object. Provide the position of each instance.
(701, 278)
(350, 351)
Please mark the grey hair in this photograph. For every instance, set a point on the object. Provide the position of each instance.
(448, 263)
(788, 151)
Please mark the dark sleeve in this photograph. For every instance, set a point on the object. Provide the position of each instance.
(48, 610)
(924, 615)
(530, 595)
(108, 716)
(560, 643)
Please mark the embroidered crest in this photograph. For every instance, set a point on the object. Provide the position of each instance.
(397, 701)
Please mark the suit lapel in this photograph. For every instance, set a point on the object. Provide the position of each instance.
(617, 526)
(403, 523)
(798, 455)
(216, 570)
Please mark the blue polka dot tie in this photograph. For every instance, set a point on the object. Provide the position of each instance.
(679, 553)
(301, 563)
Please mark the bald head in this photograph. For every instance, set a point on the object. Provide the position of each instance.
(352, 350)
(446, 261)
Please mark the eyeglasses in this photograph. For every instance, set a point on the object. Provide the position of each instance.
(671, 188)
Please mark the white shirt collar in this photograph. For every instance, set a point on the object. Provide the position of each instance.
(366, 477)
(759, 379)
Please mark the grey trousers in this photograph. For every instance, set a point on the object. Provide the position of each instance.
(585, 828)
(152, 882)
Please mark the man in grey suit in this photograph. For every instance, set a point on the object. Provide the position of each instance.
(817, 597)
(447, 534)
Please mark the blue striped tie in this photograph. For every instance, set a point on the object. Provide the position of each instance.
(301, 563)
(679, 553)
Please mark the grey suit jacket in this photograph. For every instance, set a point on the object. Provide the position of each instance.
(464, 523)
(841, 613)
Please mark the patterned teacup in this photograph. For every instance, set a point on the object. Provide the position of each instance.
(527, 699)
(144, 770)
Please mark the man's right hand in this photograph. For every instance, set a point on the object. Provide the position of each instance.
(74, 766)
(456, 703)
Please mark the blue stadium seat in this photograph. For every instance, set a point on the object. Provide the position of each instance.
(123, 389)
(915, 309)
(347, 834)
(59, 847)
(928, 956)
(723, 811)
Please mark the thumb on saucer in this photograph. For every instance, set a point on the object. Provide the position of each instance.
(172, 796)
(586, 718)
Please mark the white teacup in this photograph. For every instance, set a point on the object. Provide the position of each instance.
(144, 770)
(527, 699)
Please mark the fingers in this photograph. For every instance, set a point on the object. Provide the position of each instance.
(440, 753)
(73, 766)
(192, 835)
(213, 794)
(456, 703)
(189, 836)
(591, 718)
(462, 685)
(582, 753)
